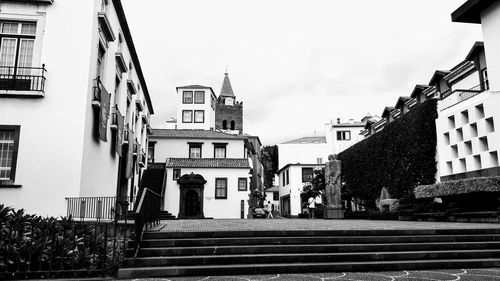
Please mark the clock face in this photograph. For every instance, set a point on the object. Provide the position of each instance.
(229, 101)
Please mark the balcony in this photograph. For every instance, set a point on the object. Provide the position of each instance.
(22, 81)
(451, 98)
(97, 208)
(99, 93)
(115, 119)
(142, 159)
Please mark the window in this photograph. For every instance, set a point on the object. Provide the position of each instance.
(17, 41)
(451, 122)
(465, 117)
(176, 174)
(101, 56)
(221, 188)
(199, 116)
(195, 150)
(490, 126)
(199, 97)
(287, 177)
(479, 111)
(276, 196)
(187, 97)
(9, 142)
(220, 150)
(187, 116)
(319, 160)
(233, 125)
(460, 134)
(151, 152)
(343, 135)
(446, 138)
(224, 124)
(307, 174)
(242, 184)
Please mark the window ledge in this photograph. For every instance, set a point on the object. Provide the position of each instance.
(21, 94)
(9, 185)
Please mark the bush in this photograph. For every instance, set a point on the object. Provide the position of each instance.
(457, 187)
(400, 157)
(35, 247)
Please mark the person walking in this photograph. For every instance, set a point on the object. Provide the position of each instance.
(268, 210)
(312, 205)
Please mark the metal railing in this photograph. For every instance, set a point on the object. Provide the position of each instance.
(450, 98)
(17, 78)
(99, 89)
(97, 207)
(147, 214)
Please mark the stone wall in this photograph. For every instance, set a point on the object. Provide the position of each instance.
(229, 113)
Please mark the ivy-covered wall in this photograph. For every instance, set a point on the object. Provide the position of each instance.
(400, 157)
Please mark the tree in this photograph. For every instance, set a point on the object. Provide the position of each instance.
(269, 159)
(317, 185)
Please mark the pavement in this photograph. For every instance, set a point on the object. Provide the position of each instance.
(305, 224)
(487, 274)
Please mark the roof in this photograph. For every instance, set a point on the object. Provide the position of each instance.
(387, 110)
(418, 89)
(436, 75)
(133, 53)
(201, 87)
(307, 140)
(348, 124)
(193, 134)
(272, 189)
(238, 163)
(401, 100)
(299, 164)
(478, 46)
(226, 90)
(470, 11)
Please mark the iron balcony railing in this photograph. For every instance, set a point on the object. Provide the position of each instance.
(17, 78)
(97, 207)
(99, 90)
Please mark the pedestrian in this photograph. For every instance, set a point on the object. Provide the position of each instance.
(312, 206)
(267, 209)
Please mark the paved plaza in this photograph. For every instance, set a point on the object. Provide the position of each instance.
(488, 274)
(305, 224)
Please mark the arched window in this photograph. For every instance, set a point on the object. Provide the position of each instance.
(224, 124)
(232, 125)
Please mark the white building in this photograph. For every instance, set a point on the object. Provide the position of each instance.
(207, 172)
(342, 135)
(70, 83)
(292, 179)
(311, 150)
(196, 107)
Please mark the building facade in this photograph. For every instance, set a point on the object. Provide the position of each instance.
(228, 111)
(73, 119)
(342, 135)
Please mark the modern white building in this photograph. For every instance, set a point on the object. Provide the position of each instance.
(196, 107)
(74, 107)
(311, 150)
(342, 135)
(292, 179)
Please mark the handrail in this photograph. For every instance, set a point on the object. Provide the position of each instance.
(147, 214)
(21, 78)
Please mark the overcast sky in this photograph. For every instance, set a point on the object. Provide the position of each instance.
(296, 64)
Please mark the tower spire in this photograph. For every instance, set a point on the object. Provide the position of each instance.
(226, 90)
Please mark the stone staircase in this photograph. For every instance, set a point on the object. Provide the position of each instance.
(206, 253)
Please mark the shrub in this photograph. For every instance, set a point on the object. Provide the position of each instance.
(400, 157)
(456, 187)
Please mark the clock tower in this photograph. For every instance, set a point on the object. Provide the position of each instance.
(228, 111)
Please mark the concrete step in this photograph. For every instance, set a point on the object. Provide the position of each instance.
(315, 248)
(285, 233)
(191, 242)
(269, 268)
(307, 258)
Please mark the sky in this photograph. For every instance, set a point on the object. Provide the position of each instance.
(295, 64)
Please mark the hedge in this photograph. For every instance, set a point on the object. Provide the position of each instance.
(455, 187)
(400, 157)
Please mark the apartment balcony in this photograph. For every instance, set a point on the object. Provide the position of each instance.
(115, 118)
(97, 208)
(451, 98)
(142, 159)
(22, 81)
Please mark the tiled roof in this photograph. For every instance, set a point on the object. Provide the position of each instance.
(207, 163)
(193, 134)
(308, 140)
(272, 189)
(226, 90)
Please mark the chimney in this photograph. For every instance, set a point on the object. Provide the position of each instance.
(338, 120)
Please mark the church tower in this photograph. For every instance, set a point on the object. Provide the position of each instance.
(228, 111)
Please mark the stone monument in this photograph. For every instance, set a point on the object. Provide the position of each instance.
(333, 181)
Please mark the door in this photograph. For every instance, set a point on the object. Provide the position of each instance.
(191, 204)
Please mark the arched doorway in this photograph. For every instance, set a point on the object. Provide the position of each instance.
(191, 196)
